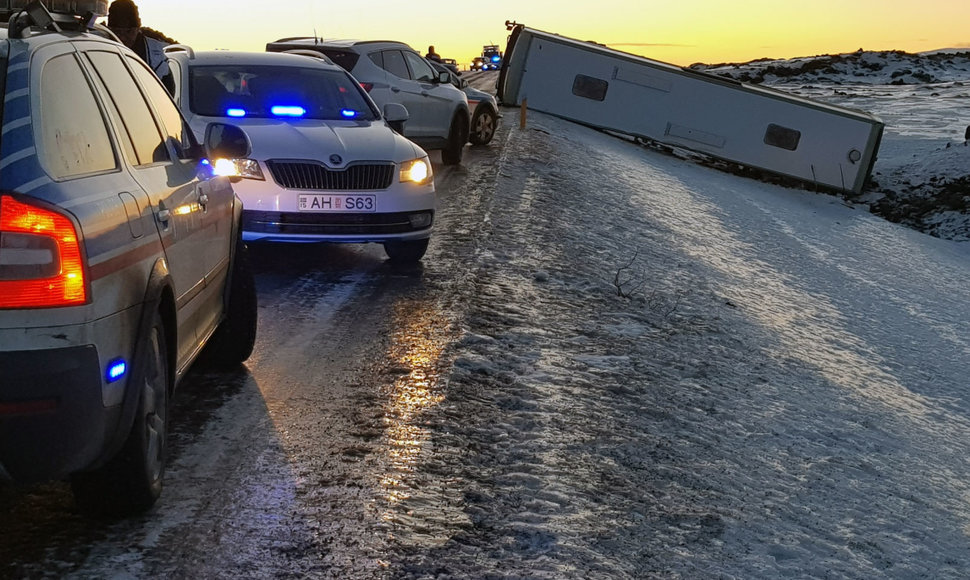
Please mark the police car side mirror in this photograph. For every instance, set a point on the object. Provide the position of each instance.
(444, 77)
(226, 141)
(396, 115)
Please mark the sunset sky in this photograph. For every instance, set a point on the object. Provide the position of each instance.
(675, 31)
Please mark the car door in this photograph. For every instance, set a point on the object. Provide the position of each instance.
(171, 189)
(439, 98)
(404, 90)
(211, 204)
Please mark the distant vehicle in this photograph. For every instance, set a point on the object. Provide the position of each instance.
(393, 72)
(121, 260)
(478, 64)
(484, 107)
(452, 65)
(492, 56)
(325, 165)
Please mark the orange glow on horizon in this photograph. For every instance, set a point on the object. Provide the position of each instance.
(680, 33)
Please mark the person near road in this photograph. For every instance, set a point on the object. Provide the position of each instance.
(125, 22)
(432, 55)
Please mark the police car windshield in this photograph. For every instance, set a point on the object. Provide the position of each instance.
(246, 91)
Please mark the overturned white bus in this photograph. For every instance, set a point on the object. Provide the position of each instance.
(757, 127)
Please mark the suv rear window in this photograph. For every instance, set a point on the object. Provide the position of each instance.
(276, 91)
(345, 58)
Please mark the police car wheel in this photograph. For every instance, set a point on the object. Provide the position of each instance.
(457, 137)
(233, 341)
(483, 126)
(407, 252)
(131, 482)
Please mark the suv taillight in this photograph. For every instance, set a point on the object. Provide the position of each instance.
(40, 257)
(367, 86)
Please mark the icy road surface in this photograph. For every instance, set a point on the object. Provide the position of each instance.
(612, 364)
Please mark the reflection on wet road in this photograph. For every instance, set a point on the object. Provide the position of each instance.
(415, 349)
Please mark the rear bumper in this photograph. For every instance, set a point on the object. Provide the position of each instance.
(52, 418)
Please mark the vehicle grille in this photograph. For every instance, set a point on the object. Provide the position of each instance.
(313, 176)
(328, 224)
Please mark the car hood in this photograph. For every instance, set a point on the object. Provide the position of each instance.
(319, 140)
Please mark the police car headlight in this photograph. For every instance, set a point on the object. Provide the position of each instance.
(245, 168)
(416, 171)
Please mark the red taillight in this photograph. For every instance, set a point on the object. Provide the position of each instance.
(367, 86)
(40, 257)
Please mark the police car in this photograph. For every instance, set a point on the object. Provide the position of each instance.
(326, 165)
(120, 258)
(491, 57)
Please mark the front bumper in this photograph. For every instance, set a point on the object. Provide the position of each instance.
(52, 418)
(335, 227)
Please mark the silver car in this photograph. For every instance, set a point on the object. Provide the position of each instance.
(393, 72)
(121, 262)
(485, 114)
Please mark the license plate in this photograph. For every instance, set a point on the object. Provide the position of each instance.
(359, 203)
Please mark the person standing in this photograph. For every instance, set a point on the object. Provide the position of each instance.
(125, 23)
(432, 55)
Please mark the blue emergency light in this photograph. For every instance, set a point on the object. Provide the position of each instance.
(287, 111)
(116, 370)
(234, 112)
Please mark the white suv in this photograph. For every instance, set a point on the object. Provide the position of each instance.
(325, 165)
(393, 72)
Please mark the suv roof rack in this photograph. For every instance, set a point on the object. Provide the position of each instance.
(70, 7)
(60, 15)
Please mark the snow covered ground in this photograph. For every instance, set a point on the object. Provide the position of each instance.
(671, 372)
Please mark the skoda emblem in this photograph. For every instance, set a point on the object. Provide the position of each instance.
(336, 159)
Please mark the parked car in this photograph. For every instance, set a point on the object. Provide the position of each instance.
(393, 72)
(452, 65)
(120, 260)
(484, 108)
(478, 64)
(325, 164)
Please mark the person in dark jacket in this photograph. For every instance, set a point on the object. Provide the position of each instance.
(432, 55)
(125, 23)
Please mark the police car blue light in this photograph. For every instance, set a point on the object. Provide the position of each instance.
(116, 370)
(348, 113)
(287, 111)
(234, 112)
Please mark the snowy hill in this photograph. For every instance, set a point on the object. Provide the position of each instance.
(868, 67)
